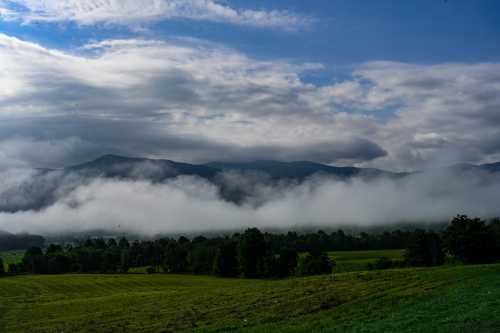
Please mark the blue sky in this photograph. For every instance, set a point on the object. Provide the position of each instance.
(342, 33)
(390, 84)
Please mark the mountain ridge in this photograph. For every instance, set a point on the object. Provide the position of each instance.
(111, 165)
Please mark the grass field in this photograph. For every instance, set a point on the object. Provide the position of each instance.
(444, 299)
(351, 261)
(346, 261)
(11, 257)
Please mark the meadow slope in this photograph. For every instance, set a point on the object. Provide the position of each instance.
(444, 299)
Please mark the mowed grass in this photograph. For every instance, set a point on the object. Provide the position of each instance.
(350, 261)
(346, 261)
(11, 257)
(443, 299)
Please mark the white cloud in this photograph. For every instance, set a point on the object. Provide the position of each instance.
(196, 101)
(184, 88)
(127, 12)
(192, 205)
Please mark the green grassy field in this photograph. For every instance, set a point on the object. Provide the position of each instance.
(351, 261)
(444, 299)
(346, 261)
(11, 257)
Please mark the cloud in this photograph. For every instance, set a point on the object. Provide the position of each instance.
(27, 152)
(130, 12)
(191, 100)
(452, 107)
(193, 205)
(181, 99)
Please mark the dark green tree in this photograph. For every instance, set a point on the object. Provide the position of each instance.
(201, 257)
(426, 249)
(175, 257)
(252, 248)
(267, 267)
(112, 243)
(494, 228)
(34, 261)
(2, 270)
(287, 262)
(226, 260)
(123, 243)
(124, 260)
(470, 240)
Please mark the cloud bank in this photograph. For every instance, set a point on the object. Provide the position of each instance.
(192, 205)
(131, 12)
(190, 100)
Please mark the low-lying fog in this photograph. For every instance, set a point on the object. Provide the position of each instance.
(189, 204)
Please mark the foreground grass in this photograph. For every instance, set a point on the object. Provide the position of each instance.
(445, 299)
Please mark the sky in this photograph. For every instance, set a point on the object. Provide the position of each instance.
(396, 85)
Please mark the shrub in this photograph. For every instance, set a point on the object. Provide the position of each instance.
(315, 264)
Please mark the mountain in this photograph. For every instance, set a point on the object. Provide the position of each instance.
(114, 166)
(267, 173)
(296, 170)
(46, 186)
(492, 167)
(467, 167)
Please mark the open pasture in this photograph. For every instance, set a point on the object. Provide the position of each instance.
(444, 299)
(349, 261)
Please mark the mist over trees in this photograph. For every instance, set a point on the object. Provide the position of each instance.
(253, 254)
(20, 241)
(125, 196)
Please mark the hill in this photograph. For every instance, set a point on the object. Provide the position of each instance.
(297, 170)
(43, 187)
(159, 169)
(444, 299)
(114, 166)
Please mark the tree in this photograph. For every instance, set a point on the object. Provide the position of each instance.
(124, 260)
(425, 250)
(201, 257)
(315, 263)
(59, 263)
(175, 257)
(494, 228)
(287, 262)
(123, 243)
(252, 248)
(2, 270)
(226, 260)
(34, 261)
(470, 240)
(267, 267)
(112, 243)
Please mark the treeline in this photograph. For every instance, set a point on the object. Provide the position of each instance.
(253, 254)
(466, 240)
(249, 255)
(10, 242)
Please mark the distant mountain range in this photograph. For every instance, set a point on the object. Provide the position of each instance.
(115, 166)
(236, 181)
